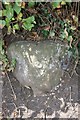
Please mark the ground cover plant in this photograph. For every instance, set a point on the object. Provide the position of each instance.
(38, 21)
(47, 20)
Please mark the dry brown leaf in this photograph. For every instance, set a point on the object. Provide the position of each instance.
(46, 27)
(32, 10)
(65, 31)
(71, 39)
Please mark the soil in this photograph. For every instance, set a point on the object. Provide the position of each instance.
(61, 102)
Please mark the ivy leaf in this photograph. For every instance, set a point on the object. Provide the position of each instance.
(56, 4)
(31, 4)
(19, 16)
(27, 26)
(7, 22)
(63, 35)
(9, 11)
(17, 8)
(12, 65)
(1, 44)
(63, 2)
(52, 34)
(0, 13)
(9, 30)
(29, 19)
(4, 12)
(45, 33)
(2, 23)
(16, 27)
(28, 23)
(69, 38)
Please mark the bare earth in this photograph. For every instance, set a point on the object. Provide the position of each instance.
(61, 102)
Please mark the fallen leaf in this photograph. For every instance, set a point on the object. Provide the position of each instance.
(32, 10)
(65, 31)
(23, 4)
(46, 28)
(71, 39)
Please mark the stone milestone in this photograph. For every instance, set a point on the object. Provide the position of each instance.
(39, 65)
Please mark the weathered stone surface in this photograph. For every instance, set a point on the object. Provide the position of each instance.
(39, 65)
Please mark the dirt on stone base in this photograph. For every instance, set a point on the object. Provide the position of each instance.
(62, 102)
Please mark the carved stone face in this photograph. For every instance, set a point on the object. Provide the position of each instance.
(39, 65)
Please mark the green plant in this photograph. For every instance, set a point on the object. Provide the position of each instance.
(4, 63)
(59, 3)
(67, 30)
(31, 4)
(67, 34)
(3, 59)
(13, 19)
(28, 23)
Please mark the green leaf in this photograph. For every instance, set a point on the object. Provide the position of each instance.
(12, 65)
(13, 18)
(1, 44)
(9, 11)
(45, 33)
(63, 2)
(56, 4)
(52, 34)
(16, 27)
(17, 8)
(31, 4)
(28, 23)
(2, 23)
(18, 1)
(13, 62)
(9, 30)
(0, 13)
(29, 19)
(19, 16)
(63, 35)
(27, 26)
(7, 22)
(4, 12)
(69, 38)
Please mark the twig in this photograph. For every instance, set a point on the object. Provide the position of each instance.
(70, 94)
(78, 10)
(74, 67)
(45, 114)
(11, 85)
